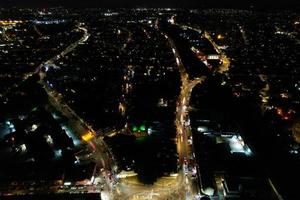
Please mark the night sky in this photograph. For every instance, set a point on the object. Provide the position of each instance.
(266, 4)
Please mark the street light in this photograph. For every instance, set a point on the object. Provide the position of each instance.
(88, 136)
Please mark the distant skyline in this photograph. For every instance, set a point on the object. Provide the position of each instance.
(261, 4)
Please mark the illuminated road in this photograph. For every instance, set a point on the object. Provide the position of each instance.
(100, 152)
(51, 61)
(70, 48)
(81, 128)
(224, 67)
(164, 188)
(185, 95)
(184, 149)
(185, 183)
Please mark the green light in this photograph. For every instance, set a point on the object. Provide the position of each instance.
(134, 129)
(142, 128)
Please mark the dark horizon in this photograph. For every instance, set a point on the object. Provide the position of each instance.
(265, 5)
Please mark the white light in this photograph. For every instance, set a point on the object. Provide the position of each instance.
(194, 170)
(92, 179)
(171, 21)
(49, 139)
(67, 183)
(236, 146)
(248, 151)
(208, 191)
(177, 61)
(294, 151)
(201, 129)
(149, 131)
(23, 147)
(34, 127)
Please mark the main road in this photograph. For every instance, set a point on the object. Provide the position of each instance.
(222, 69)
(184, 148)
(192, 188)
(50, 62)
(101, 153)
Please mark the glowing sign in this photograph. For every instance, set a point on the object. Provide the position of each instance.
(142, 128)
(134, 129)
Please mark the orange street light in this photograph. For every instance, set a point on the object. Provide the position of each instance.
(88, 136)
